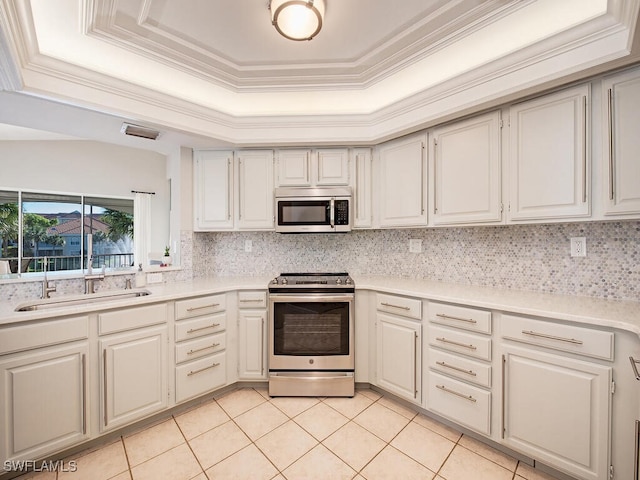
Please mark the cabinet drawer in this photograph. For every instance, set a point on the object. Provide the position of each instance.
(200, 347)
(467, 405)
(407, 307)
(568, 338)
(42, 334)
(131, 318)
(193, 307)
(201, 326)
(460, 342)
(200, 376)
(252, 299)
(460, 317)
(460, 367)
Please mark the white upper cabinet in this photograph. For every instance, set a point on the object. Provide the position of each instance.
(233, 191)
(294, 168)
(255, 190)
(306, 168)
(213, 190)
(621, 144)
(362, 188)
(402, 181)
(333, 166)
(465, 171)
(549, 167)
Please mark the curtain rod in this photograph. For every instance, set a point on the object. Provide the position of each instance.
(148, 193)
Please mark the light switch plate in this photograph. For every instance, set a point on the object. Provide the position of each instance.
(248, 245)
(578, 247)
(415, 245)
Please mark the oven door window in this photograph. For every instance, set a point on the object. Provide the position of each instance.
(304, 212)
(311, 328)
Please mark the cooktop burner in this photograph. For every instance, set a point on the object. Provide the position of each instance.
(312, 282)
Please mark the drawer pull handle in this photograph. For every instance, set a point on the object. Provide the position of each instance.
(251, 300)
(193, 372)
(211, 305)
(395, 306)
(634, 367)
(213, 325)
(457, 344)
(458, 369)
(191, 352)
(451, 317)
(552, 337)
(453, 392)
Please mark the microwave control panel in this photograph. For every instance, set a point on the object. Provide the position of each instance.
(342, 212)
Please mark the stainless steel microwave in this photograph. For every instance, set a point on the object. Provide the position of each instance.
(313, 210)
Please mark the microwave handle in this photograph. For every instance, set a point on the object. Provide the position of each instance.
(332, 214)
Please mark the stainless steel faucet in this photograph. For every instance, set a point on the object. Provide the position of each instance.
(90, 279)
(47, 286)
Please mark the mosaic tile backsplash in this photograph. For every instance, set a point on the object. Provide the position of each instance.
(520, 257)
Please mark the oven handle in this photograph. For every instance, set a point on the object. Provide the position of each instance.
(310, 297)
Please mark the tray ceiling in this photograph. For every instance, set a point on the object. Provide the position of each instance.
(218, 68)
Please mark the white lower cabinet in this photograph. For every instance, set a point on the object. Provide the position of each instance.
(200, 345)
(459, 378)
(134, 375)
(399, 355)
(43, 393)
(252, 335)
(557, 410)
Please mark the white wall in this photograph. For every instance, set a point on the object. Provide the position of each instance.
(87, 167)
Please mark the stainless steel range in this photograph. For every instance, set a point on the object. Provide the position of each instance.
(311, 335)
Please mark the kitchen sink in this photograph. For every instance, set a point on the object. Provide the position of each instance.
(71, 300)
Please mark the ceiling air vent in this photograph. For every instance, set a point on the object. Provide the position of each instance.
(138, 131)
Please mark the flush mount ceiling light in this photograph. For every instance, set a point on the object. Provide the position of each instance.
(297, 19)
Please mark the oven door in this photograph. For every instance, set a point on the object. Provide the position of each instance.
(311, 332)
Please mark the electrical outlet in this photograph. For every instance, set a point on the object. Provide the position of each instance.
(154, 277)
(415, 245)
(248, 245)
(578, 247)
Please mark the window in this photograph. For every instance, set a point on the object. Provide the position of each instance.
(41, 231)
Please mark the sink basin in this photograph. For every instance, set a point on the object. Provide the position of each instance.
(67, 301)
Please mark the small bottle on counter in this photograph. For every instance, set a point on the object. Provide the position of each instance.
(141, 278)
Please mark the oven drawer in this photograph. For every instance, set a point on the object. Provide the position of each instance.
(201, 326)
(200, 376)
(460, 342)
(567, 338)
(200, 347)
(193, 307)
(460, 317)
(406, 307)
(252, 299)
(460, 367)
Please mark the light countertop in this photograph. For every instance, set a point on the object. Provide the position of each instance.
(624, 315)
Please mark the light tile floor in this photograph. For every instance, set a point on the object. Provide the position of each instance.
(247, 435)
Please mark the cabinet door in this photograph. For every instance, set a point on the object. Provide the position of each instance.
(622, 144)
(43, 395)
(213, 190)
(333, 166)
(294, 168)
(549, 158)
(557, 410)
(362, 191)
(255, 190)
(399, 356)
(402, 183)
(134, 376)
(253, 341)
(466, 171)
